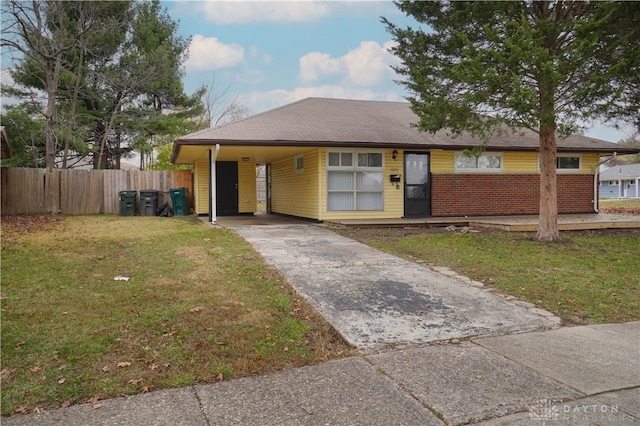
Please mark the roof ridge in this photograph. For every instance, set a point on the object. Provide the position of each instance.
(299, 101)
(255, 115)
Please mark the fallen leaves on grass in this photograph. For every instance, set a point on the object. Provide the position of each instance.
(123, 364)
(20, 225)
(197, 309)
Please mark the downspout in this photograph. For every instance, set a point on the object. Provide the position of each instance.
(596, 186)
(213, 156)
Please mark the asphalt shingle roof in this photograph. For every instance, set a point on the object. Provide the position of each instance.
(626, 171)
(354, 123)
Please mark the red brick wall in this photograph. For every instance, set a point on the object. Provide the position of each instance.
(505, 194)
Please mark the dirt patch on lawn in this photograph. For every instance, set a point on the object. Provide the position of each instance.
(627, 210)
(16, 226)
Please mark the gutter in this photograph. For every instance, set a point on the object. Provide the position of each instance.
(596, 187)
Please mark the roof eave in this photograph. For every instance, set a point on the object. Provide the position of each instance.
(403, 145)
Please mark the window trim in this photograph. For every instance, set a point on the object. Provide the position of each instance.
(566, 154)
(476, 169)
(354, 159)
(355, 169)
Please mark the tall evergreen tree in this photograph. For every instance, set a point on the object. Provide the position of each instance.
(479, 67)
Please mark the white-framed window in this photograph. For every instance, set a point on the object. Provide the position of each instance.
(355, 180)
(484, 163)
(568, 162)
(298, 163)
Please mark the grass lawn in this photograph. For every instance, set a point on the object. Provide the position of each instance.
(590, 277)
(620, 206)
(199, 306)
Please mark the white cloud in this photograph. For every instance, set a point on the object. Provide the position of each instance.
(240, 12)
(209, 53)
(316, 65)
(263, 101)
(370, 64)
(367, 65)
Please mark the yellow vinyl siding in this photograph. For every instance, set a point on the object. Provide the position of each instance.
(441, 161)
(520, 162)
(247, 202)
(201, 186)
(294, 193)
(590, 162)
(393, 198)
(512, 162)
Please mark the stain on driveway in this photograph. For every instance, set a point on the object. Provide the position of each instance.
(373, 298)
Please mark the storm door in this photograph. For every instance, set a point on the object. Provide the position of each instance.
(417, 185)
(226, 188)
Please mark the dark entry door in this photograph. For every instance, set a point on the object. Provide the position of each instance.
(417, 185)
(226, 188)
(269, 210)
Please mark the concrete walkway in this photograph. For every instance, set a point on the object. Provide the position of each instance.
(586, 375)
(375, 299)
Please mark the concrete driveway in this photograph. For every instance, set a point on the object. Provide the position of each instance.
(375, 299)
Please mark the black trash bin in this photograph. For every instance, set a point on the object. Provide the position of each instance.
(127, 203)
(180, 201)
(148, 202)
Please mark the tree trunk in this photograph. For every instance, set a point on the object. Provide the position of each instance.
(548, 219)
(50, 133)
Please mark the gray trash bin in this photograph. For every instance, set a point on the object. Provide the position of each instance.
(148, 202)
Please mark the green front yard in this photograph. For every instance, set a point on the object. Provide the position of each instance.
(199, 306)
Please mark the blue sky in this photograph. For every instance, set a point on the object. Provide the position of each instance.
(271, 53)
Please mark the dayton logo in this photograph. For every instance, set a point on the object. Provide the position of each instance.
(544, 411)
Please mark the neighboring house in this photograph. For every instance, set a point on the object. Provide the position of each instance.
(620, 182)
(332, 159)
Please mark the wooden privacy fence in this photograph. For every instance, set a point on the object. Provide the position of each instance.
(70, 191)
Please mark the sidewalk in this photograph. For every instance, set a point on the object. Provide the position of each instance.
(587, 375)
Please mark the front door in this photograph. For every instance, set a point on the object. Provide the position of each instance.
(226, 188)
(417, 185)
(269, 210)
